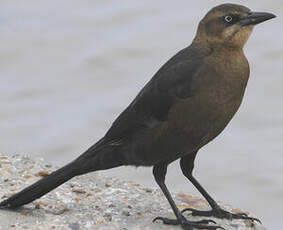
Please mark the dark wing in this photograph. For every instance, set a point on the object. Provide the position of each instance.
(153, 103)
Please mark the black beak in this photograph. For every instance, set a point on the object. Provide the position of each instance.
(255, 18)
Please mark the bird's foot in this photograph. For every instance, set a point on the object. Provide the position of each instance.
(189, 225)
(220, 213)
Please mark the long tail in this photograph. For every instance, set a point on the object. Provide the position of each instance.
(41, 187)
(95, 158)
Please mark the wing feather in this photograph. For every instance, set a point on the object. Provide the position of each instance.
(151, 106)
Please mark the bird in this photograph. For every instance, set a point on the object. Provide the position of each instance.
(184, 106)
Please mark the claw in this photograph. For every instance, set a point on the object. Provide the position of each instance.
(188, 225)
(175, 222)
(207, 221)
(221, 227)
(245, 217)
(242, 214)
(220, 213)
(188, 209)
(166, 220)
(212, 227)
(155, 219)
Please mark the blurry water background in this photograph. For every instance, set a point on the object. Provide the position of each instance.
(69, 67)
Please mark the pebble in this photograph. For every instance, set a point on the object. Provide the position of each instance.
(93, 202)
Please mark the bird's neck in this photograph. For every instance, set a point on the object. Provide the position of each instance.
(217, 49)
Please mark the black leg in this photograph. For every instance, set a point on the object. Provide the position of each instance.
(187, 166)
(159, 172)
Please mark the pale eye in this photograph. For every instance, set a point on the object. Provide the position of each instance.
(228, 18)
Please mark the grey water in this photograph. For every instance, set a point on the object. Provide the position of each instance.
(68, 68)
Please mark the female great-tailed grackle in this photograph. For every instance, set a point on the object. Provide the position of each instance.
(186, 104)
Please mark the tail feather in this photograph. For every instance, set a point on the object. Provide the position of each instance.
(97, 157)
(42, 186)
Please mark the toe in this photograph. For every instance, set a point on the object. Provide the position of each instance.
(167, 220)
(244, 217)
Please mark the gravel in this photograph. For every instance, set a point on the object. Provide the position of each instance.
(93, 202)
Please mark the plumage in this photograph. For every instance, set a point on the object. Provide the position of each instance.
(185, 105)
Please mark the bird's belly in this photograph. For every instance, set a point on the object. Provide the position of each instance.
(202, 119)
(193, 124)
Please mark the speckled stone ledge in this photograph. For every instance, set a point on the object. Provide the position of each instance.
(92, 202)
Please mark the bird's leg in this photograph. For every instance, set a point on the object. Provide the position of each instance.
(159, 172)
(187, 165)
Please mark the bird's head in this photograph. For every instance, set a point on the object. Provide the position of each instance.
(229, 25)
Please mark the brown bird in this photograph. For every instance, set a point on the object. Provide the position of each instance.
(186, 104)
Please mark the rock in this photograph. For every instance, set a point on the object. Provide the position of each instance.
(93, 202)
